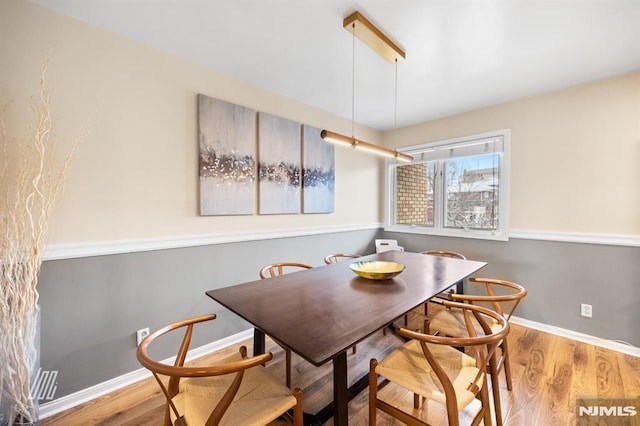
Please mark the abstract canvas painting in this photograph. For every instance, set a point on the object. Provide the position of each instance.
(279, 165)
(318, 172)
(227, 138)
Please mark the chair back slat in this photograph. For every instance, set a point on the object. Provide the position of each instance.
(225, 401)
(447, 384)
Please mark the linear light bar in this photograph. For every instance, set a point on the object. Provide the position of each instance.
(337, 138)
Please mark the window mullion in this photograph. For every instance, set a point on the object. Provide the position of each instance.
(438, 196)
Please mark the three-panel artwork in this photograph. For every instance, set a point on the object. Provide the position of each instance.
(252, 162)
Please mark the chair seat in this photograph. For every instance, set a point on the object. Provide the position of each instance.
(452, 324)
(260, 400)
(408, 367)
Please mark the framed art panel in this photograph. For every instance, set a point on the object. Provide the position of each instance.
(318, 172)
(227, 138)
(279, 165)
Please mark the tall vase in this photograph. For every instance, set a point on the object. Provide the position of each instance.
(14, 390)
(35, 372)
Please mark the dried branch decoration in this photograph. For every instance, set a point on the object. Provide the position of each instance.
(30, 183)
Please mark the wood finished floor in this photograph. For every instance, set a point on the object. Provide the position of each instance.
(549, 373)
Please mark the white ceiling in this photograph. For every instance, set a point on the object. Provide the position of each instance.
(461, 54)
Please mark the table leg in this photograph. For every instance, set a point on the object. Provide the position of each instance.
(258, 342)
(340, 397)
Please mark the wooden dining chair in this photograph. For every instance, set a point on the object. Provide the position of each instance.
(457, 288)
(452, 254)
(273, 270)
(336, 257)
(235, 390)
(502, 297)
(441, 253)
(433, 370)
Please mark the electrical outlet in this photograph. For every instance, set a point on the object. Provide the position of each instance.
(586, 310)
(141, 334)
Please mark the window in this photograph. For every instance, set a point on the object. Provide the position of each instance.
(456, 187)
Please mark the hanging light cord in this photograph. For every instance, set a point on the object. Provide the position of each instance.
(395, 112)
(333, 137)
(353, 79)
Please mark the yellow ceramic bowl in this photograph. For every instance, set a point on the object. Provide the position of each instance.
(377, 270)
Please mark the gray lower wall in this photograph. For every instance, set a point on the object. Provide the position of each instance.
(91, 307)
(559, 277)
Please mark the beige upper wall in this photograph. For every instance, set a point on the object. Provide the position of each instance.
(575, 155)
(135, 176)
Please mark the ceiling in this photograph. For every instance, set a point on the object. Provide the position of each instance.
(460, 54)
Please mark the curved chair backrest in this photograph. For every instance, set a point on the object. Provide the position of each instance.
(275, 269)
(442, 253)
(336, 257)
(502, 296)
(177, 371)
(473, 315)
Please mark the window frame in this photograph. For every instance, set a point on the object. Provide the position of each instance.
(499, 234)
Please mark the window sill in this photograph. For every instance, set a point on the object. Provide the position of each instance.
(478, 235)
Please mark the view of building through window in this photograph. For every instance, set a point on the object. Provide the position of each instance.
(452, 188)
(472, 190)
(414, 194)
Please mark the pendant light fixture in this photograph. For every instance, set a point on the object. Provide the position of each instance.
(360, 27)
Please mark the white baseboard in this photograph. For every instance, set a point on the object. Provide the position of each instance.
(613, 345)
(69, 401)
(72, 400)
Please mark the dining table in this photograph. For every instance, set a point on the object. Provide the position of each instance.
(320, 313)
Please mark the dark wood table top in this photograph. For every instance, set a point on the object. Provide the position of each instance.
(320, 312)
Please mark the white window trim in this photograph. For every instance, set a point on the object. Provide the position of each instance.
(501, 234)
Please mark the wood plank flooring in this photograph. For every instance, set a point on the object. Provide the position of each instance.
(549, 373)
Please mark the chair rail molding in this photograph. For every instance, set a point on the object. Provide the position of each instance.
(102, 248)
(578, 237)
